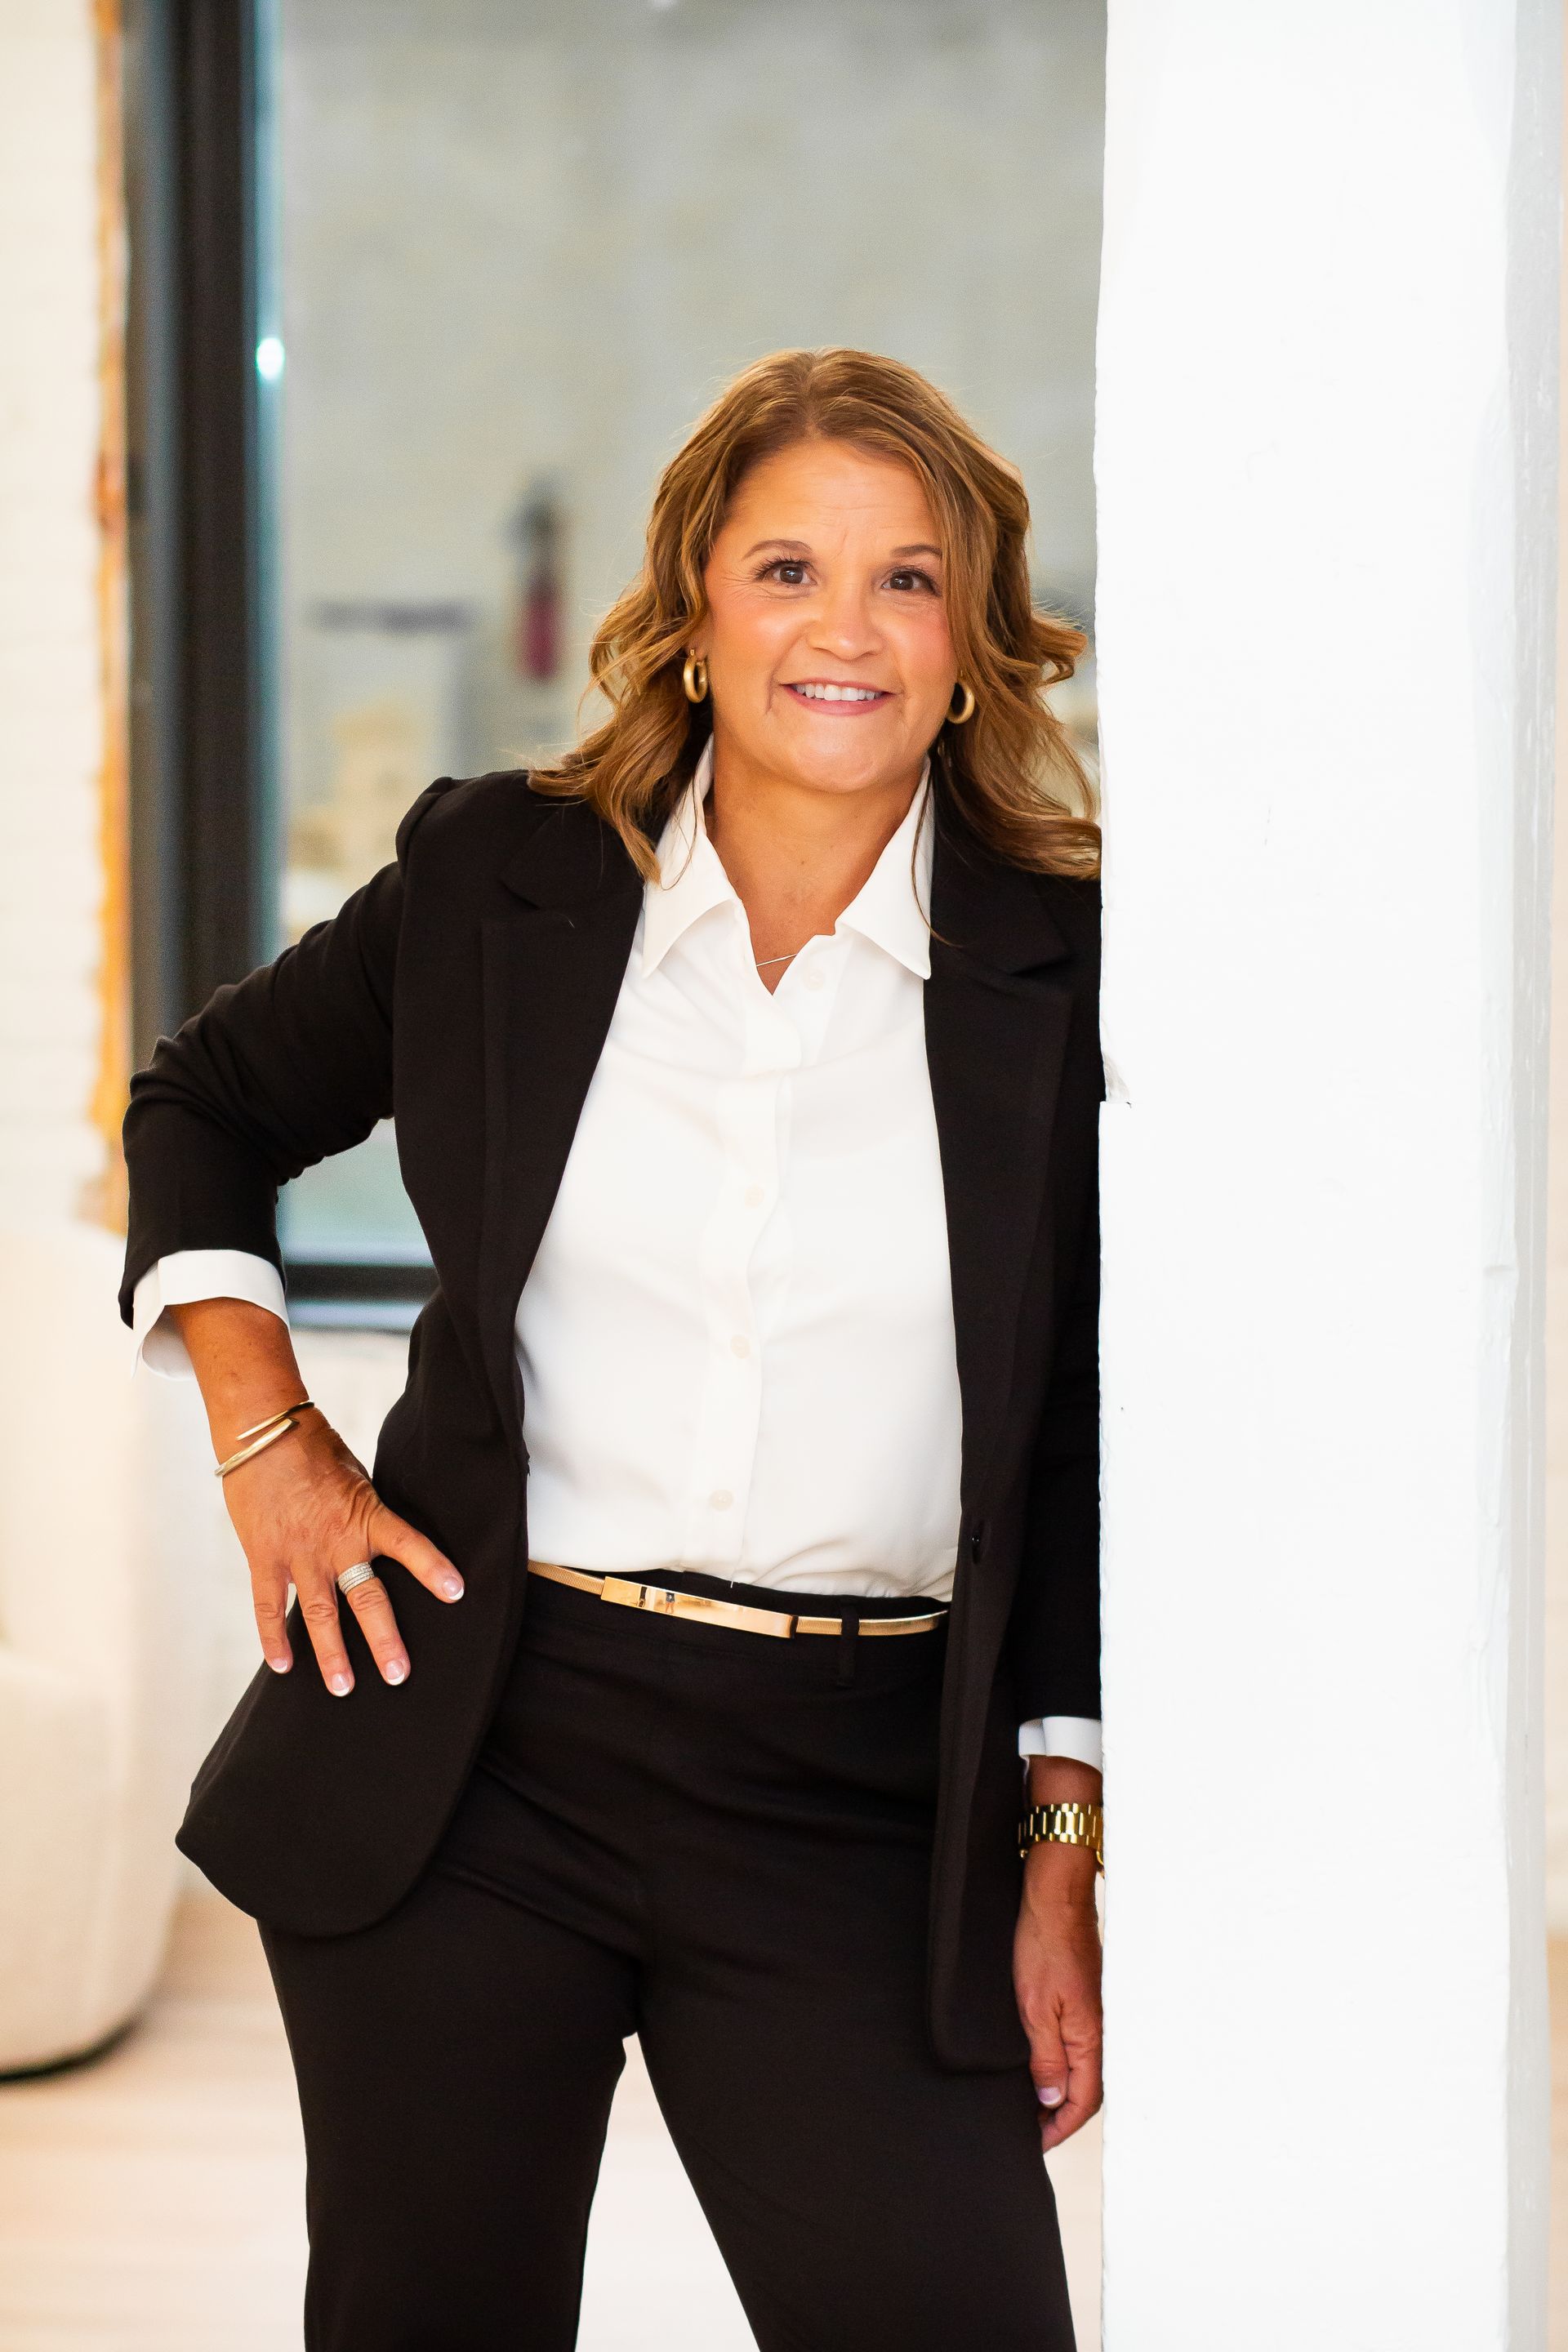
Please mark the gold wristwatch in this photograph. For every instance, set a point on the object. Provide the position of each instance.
(1064, 1825)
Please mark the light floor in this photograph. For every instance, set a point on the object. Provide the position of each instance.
(151, 2201)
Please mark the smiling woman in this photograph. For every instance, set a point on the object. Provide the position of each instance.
(735, 1541)
(828, 655)
(905, 539)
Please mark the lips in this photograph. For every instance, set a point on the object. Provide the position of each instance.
(827, 693)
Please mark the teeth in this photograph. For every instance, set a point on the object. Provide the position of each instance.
(839, 693)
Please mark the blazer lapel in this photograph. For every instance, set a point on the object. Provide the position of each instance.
(553, 964)
(996, 1025)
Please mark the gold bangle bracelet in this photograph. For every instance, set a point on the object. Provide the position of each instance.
(269, 1437)
(258, 1426)
(1064, 1824)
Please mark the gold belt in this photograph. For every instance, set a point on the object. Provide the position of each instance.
(666, 1602)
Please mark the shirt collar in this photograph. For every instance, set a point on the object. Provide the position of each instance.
(691, 881)
(889, 909)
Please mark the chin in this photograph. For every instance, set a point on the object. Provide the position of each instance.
(840, 776)
(848, 767)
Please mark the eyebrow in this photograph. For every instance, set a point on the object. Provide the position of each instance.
(803, 547)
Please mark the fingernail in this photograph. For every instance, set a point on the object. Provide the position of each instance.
(1048, 2096)
(280, 1666)
(452, 1586)
(339, 1684)
(396, 1669)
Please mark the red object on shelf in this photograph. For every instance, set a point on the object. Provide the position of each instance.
(539, 631)
(537, 645)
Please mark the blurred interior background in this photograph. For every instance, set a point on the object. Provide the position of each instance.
(371, 323)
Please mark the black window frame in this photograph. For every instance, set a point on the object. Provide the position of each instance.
(203, 814)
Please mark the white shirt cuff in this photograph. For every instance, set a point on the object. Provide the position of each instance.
(184, 1277)
(1077, 1735)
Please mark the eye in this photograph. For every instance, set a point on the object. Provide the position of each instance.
(910, 577)
(787, 570)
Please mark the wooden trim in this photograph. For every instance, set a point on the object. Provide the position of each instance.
(104, 1196)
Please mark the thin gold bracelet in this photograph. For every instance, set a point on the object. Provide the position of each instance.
(257, 1427)
(271, 1433)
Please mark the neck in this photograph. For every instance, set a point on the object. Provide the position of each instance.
(797, 857)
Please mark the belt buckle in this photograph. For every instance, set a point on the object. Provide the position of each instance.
(663, 1600)
(623, 1593)
(656, 1600)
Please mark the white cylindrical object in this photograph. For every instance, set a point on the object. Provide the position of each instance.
(1325, 455)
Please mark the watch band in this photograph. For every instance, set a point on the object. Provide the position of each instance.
(1067, 1824)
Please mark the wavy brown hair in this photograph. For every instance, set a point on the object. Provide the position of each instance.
(1011, 772)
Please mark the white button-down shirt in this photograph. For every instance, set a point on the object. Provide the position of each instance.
(736, 1341)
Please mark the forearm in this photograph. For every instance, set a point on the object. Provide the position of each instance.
(1055, 1958)
(243, 1358)
(1056, 1873)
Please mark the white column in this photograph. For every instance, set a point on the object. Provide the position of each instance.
(52, 868)
(1327, 524)
(1556, 1643)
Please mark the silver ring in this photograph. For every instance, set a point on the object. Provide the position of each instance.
(360, 1573)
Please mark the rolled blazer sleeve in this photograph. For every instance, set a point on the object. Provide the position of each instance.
(277, 1072)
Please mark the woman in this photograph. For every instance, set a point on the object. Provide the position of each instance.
(763, 1215)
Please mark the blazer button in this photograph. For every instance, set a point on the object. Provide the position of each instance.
(977, 1539)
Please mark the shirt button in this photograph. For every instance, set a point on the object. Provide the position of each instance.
(755, 1196)
(739, 1344)
(813, 976)
(719, 1499)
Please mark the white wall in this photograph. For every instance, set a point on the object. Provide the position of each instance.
(1325, 441)
(102, 1623)
(1557, 1260)
(51, 875)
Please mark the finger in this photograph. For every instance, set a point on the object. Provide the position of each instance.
(318, 1608)
(270, 1596)
(1070, 2116)
(1049, 2069)
(399, 1541)
(1083, 2099)
(373, 1607)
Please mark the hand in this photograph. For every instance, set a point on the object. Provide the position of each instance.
(302, 1507)
(304, 1511)
(1056, 1976)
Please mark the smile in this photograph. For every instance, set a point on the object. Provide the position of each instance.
(845, 699)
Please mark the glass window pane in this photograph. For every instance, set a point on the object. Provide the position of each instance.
(521, 244)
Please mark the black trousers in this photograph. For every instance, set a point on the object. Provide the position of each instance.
(719, 1843)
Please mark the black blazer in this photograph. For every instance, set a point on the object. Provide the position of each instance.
(469, 987)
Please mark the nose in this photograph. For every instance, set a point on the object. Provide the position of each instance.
(844, 622)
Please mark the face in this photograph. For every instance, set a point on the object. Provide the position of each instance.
(830, 660)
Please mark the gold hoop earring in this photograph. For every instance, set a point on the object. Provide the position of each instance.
(965, 711)
(694, 678)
